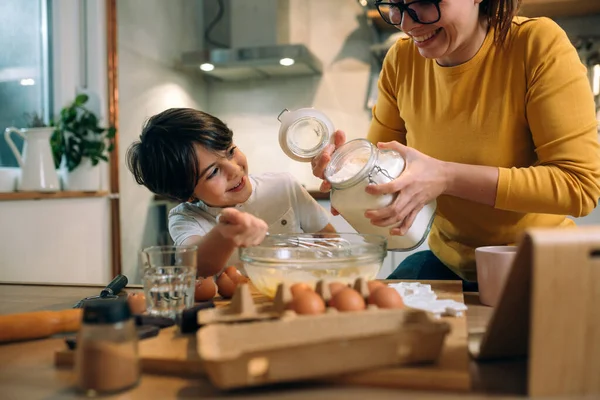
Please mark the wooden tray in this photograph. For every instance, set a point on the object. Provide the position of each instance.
(172, 353)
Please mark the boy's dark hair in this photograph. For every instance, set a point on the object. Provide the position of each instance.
(164, 159)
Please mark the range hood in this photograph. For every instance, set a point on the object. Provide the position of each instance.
(265, 39)
(256, 62)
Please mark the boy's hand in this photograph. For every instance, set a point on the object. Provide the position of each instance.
(241, 228)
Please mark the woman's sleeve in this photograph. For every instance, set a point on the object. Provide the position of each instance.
(386, 125)
(561, 114)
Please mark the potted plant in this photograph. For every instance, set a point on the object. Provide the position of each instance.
(79, 143)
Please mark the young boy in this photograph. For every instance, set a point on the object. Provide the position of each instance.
(189, 156)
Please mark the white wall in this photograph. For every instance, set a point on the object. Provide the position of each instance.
(60, 241)
(152, 35)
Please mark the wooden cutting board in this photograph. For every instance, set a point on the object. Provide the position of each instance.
(172, 353)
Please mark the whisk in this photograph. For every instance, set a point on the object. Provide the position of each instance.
(324, 243)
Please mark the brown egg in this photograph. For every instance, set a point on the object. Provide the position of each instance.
(374, 285)
(308, 302)
(386, 297)
(205, 289)
(137, 303)
(335, 287)
(348, 299)
(226, 286)
(296, 288)
(235, 275)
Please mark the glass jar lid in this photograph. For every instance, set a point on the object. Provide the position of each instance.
(304, 133)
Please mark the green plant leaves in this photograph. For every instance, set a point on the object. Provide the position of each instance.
(78, 135)
(81, 99)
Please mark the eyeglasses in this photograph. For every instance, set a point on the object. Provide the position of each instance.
(421, 11)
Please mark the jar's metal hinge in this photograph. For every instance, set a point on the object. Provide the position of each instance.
(378, 170)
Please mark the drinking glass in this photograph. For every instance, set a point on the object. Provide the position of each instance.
(168, 278)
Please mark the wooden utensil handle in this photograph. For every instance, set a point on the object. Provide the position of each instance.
(39, 324)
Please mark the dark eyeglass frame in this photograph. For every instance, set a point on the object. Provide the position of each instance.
(405, 7)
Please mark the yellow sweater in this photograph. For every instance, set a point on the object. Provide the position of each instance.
(526, 108)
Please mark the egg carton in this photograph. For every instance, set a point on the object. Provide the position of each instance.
(247, 344)
(243, 308)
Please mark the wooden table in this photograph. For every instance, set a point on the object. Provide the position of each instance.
(27, 370)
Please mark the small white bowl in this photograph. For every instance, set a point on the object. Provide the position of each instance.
(8, 179)
(493, 266)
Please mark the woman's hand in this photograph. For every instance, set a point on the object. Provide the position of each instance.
(319, 163)
(422, 180)
(241, 228)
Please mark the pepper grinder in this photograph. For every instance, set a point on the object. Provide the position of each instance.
(106, 359)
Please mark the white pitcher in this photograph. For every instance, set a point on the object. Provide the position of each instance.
(37, 163)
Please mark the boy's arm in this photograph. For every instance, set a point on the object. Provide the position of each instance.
(213, 251)
(235, 229)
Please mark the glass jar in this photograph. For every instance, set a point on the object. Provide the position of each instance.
(106, 357)
(304, 133)
(353, 167)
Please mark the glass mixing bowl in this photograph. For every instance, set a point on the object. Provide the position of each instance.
(309, 257)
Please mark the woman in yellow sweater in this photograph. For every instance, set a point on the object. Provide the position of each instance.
(495, 117)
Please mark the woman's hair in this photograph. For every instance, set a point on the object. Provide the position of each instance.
(499, 14)
(164, 159)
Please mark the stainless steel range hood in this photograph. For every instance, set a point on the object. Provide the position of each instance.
(256, 62)
(256, 39)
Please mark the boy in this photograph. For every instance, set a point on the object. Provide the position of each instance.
(188, 155)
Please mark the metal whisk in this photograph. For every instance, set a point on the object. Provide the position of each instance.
(324, 243)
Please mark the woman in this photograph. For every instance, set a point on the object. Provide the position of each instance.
(494, 114)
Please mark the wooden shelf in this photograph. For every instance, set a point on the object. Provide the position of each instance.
(47, 196)
(559, 8)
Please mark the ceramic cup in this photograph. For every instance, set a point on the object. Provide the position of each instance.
(493, 266)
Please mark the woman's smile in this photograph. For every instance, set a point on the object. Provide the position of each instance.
(423, 40)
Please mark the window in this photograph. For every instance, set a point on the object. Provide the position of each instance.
(24, 68)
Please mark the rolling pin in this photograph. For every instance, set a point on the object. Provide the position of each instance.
(38, 324)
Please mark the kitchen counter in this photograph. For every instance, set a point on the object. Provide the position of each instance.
(27, 369)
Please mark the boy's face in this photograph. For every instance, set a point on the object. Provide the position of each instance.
(223, 177)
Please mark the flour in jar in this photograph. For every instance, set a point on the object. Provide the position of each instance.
(348, 170)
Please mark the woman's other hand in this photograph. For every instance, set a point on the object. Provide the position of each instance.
(422, 181)
(241, 228)
(319, 163)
